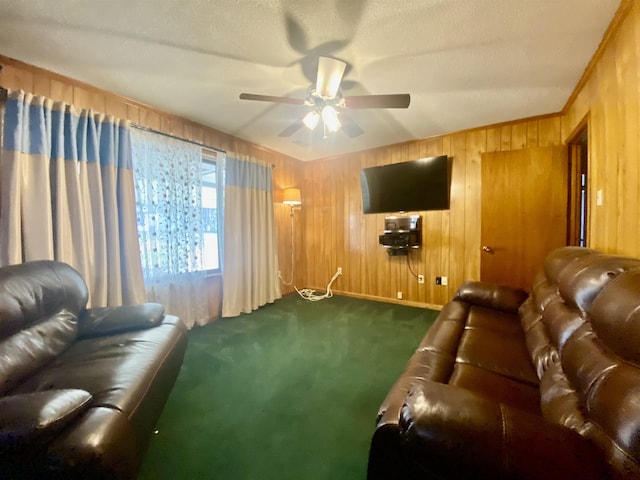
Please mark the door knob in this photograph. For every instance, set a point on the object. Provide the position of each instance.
(487, 249)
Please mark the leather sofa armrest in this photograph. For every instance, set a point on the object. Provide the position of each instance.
(28, 420)
(109, 320)
(455, 433)
(500, 297)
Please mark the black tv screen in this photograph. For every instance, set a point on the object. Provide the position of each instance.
(413, 186)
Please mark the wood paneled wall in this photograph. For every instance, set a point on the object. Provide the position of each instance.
(609, 96)
(331, 231)
(18, 75)
(337, 234)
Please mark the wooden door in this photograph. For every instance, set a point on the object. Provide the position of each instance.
(524, 212)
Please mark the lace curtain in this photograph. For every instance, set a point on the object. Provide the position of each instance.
(168, 185)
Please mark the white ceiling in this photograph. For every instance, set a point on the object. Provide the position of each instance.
(466, 63)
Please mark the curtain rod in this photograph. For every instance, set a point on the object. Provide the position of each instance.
(147, 129)
(4, 91)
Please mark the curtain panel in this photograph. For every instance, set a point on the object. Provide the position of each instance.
(250, 266)
(66, 194)
(168, 185)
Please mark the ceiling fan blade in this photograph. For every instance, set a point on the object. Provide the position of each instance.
(291, 129)
(330, 72)
(269, 98)
(349, 126)
(399, 100)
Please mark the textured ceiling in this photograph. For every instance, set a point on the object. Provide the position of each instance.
(466, 63)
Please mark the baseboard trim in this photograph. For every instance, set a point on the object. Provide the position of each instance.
(409, 303)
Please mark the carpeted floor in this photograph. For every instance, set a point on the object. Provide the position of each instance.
(290, 391)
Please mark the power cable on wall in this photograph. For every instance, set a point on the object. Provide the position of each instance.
(290, 282)
(409, 264)
(307, 293)
(312, 296)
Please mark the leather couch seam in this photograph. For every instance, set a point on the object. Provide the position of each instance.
(505, 438)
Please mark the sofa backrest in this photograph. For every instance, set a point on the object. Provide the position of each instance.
(582, 323)
(39, 306)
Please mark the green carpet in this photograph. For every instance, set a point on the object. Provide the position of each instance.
(290, 391)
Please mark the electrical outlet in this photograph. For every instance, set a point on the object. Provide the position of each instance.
(339, 270)
(438, 280)
(399, 295)
(420, 278)
(445, 281)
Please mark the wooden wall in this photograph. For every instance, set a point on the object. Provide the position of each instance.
(331, 231)
(337, 234)
(609, 97)
(18, 75)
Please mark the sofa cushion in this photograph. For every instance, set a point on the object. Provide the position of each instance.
(453, 433)
(583, 279)
(498, 387)
(32, 291)
(31, 419)
(559, 401)
(26, 351)
(110, 320)
(116, 369)
(615, 316)
(497, 297)
(607, 388)
(495, 345)
(39, 305)
(560, 258)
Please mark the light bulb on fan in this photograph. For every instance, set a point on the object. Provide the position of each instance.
(311, 119)
(330, 118)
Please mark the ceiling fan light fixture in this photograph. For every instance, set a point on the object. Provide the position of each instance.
(330, 72)
(311, 120)
(330, 118)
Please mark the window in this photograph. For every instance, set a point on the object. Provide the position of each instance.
(178, 206)
(211, 200)
(169, 174)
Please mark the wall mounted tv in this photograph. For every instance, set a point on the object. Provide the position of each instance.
(413, 186)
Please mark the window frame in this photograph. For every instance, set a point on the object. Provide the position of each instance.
(213, 158)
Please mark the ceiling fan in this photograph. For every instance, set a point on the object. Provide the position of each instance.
(325, 101)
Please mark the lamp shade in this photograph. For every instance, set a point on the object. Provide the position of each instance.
(291, 196)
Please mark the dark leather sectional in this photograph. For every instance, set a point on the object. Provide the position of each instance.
(510, 386)
(80, 390)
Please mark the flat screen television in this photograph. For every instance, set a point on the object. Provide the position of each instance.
(413, 186)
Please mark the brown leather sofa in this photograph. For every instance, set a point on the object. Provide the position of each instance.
(510, 386)
(80, 389)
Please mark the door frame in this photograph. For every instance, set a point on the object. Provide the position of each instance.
(578, 194)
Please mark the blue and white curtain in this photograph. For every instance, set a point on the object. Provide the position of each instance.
(66, 193)
(250, 267)
(168, 184)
